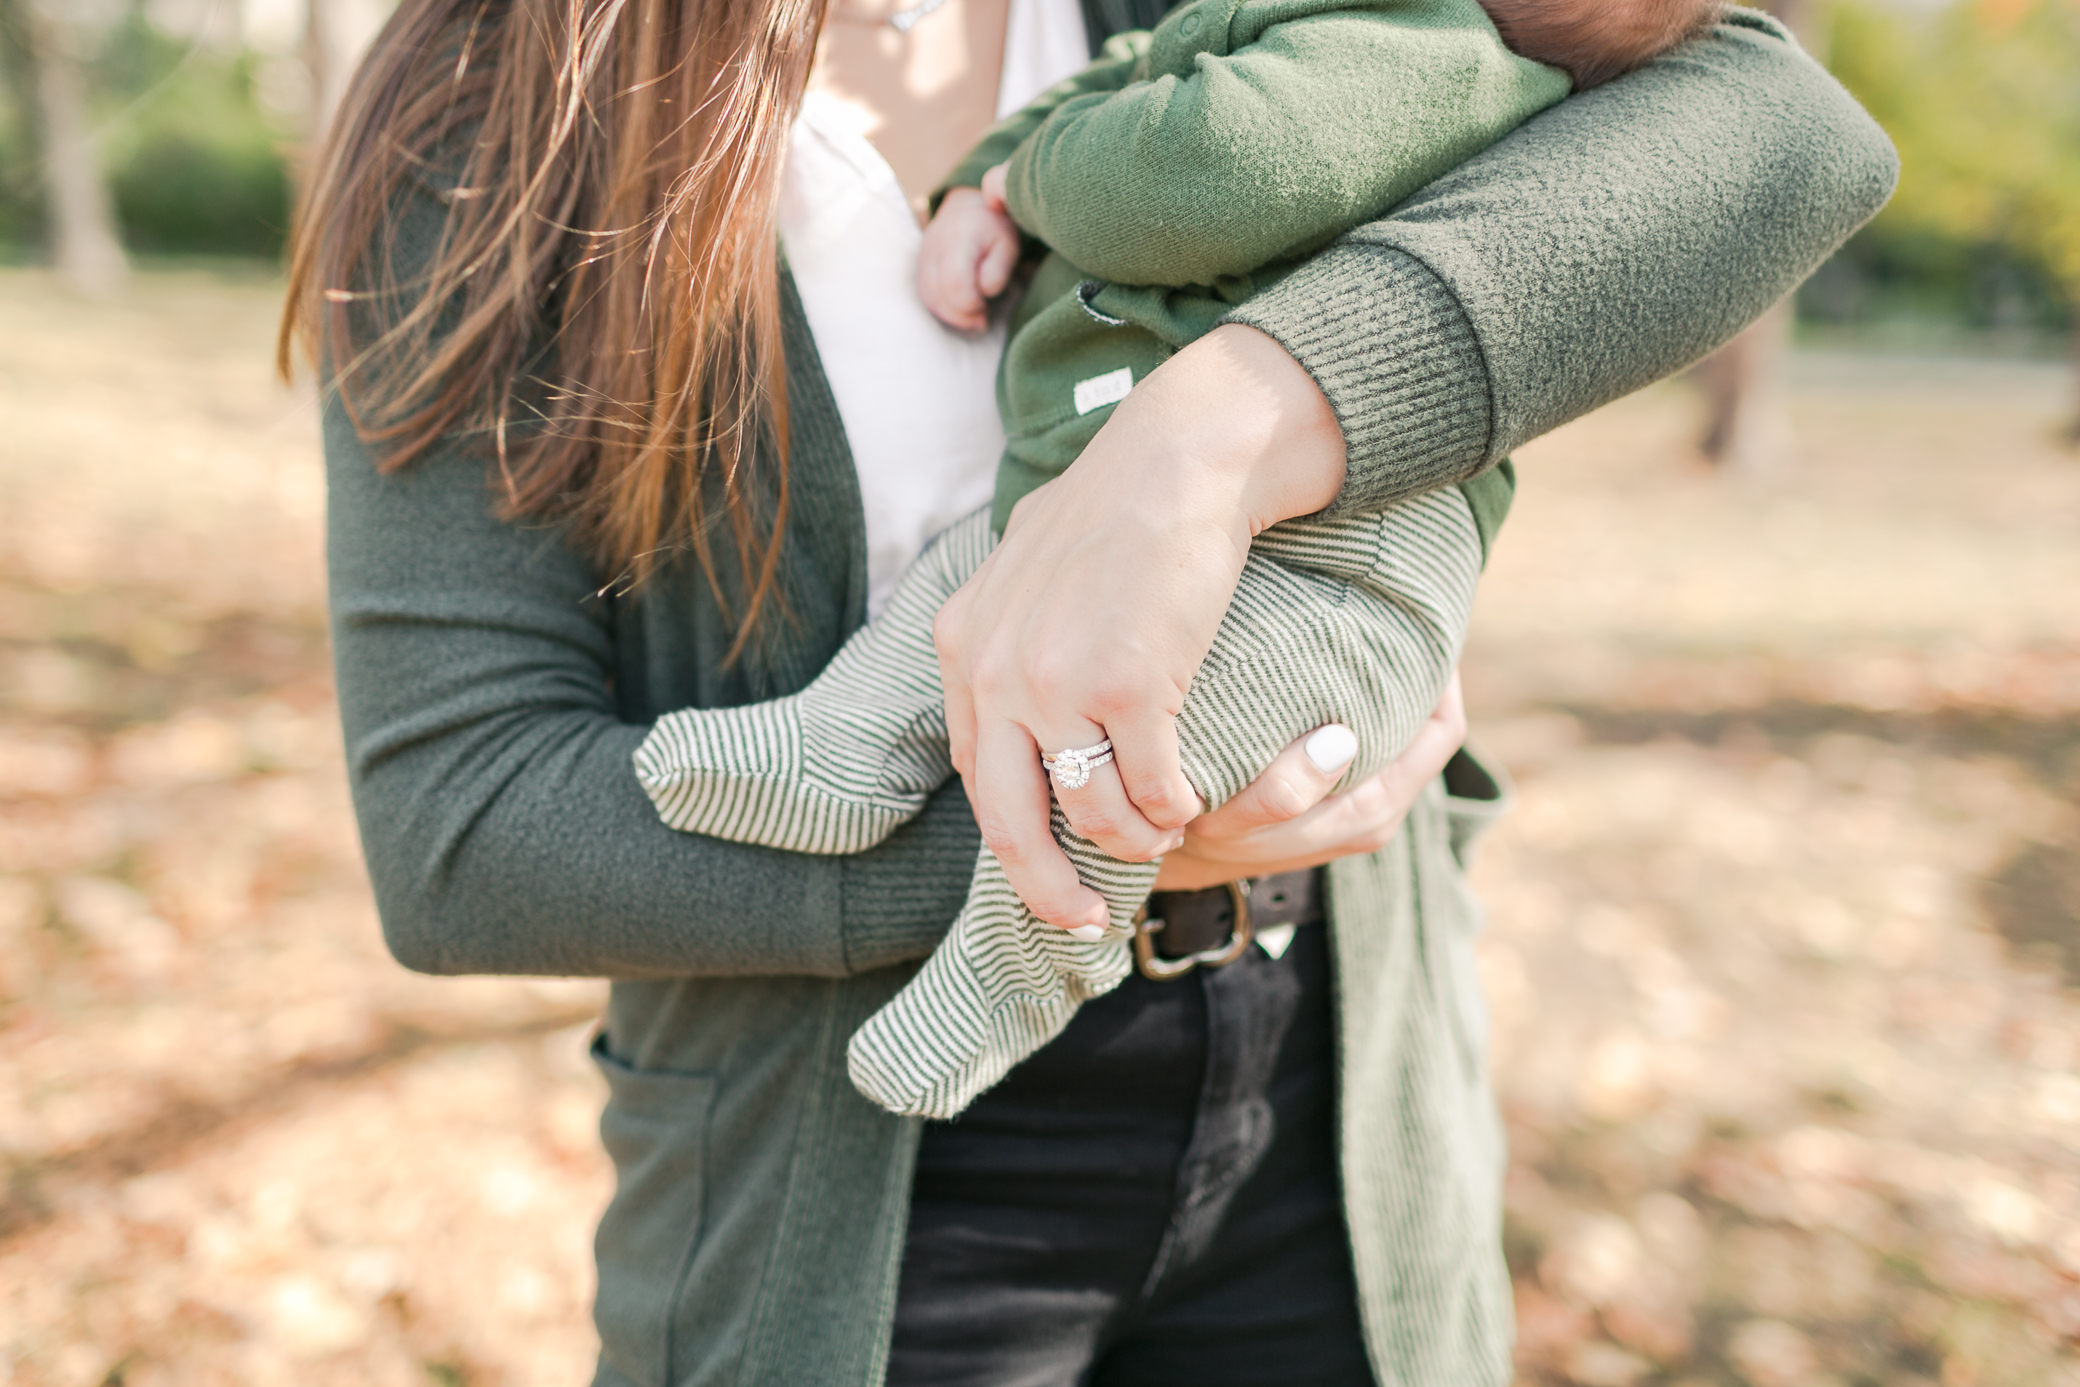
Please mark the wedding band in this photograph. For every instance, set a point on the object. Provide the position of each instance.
(1072, 769)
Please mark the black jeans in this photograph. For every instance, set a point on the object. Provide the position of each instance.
(1152, 1199)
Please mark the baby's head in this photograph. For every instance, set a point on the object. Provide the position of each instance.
(1595, 40)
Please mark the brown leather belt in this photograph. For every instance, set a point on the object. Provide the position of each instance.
(1178, 931)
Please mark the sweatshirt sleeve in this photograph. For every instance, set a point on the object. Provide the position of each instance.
(1231, 160)
(1609, 242)
(500, 816)
(1112, 69)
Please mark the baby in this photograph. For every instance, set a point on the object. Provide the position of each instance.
(1188, 168)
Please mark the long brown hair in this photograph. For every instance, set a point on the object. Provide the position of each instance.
(603, 299)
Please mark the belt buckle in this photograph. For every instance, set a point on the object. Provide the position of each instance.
(1159, 969)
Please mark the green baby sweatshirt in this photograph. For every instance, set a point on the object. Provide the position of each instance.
(1192, 166)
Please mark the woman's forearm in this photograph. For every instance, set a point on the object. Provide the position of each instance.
(1607, 243)
(500, 817)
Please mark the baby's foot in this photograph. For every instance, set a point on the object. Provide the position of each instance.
(1002, 985)
(741, 774)
(838, 766)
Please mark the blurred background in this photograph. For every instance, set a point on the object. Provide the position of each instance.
(1785, 657)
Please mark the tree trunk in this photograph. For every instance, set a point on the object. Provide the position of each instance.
(81, 217)
(1748, 423)
(335, 35)
(2073, 429)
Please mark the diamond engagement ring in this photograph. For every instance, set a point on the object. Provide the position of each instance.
(1072, 769)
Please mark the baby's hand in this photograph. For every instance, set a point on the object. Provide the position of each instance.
(969, 252)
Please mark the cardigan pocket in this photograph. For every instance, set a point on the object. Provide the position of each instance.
(1475, 796)
(655, 1128)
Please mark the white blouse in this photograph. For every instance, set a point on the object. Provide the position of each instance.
(917, 399)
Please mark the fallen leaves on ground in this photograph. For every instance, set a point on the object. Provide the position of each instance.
(1785, 926)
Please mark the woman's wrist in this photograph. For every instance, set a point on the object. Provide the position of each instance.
(1238, 426)
(1392, 350)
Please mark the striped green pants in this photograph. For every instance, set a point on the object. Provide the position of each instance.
(1357, 621)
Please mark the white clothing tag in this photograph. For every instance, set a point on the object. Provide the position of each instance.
(1276, 939)
(1108, 389)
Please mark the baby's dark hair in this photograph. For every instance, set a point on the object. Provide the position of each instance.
(1595, 40)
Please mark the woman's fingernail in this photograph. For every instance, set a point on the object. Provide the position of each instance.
(1089, 934)
(1331, 748)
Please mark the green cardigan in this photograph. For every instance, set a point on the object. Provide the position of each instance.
(492, 696)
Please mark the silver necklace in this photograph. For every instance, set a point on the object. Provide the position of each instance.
(905, 19)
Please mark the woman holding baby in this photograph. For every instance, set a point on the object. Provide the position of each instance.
(637, 410)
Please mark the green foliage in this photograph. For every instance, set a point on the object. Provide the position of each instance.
(195, 164)
(21, 191)
(21, 195)
(200, 170)
(1983, 100)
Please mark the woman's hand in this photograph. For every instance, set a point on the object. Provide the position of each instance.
(1282, 822)
(1091, 617)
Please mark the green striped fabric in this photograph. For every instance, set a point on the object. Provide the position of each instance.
(1356, 620)
(838, 766)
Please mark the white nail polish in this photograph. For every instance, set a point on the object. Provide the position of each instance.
(1089, 934)
(1331, 748)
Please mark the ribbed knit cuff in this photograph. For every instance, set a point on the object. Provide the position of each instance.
(897, 901)
(1394, 353)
